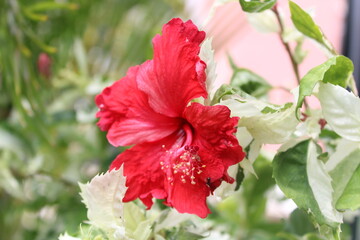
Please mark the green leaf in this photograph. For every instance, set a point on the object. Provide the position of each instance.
(299, 223)
(239, 178)
(336, 70)
(344, 168)
(312, 236)
(302, 177)
(222, 92)
(35, 16)
(253, 6)
(268, 109)
(51, 5)
(225, 90)
(326, 133)
(350, 199)
(249, 82)
(255, 189)
(340, 72)
(304, 23)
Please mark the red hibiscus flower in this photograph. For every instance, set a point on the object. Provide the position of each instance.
(182, 149)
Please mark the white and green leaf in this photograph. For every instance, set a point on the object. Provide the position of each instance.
(264, 22)
(207, 55)
(271, 127)
(253, 6)
(66, 236)
(336, 70)
(134, 217)
(103, 197)
(341, 110)
(265, 122)
(303, 178)
(344, 168)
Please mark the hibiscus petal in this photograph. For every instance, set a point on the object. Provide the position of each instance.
(137, 130)
(142, 172)
(189, 198)
(142, 168)
(214, 134)
(177, 74)
(113, 101)
(126, 114)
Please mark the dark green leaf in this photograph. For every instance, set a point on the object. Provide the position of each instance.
(239, 178)
(254, 6)
(326, 133)
(299, 223)
(290, 173)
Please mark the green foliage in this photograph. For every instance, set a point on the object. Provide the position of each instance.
(341, 110)
(223, 91)
(243, 214)
(346, 181)
(268, 109)
(300, 223)
(291, 172)
(239, 178)
(336, 70)
(254, 6)
(350, 198)
(248, 81)
(304, 23)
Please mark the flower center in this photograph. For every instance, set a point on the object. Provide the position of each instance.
(188, 164)
(184, 161)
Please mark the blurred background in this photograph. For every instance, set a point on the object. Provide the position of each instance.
(55, 56)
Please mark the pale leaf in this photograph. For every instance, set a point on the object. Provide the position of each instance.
(103, 198)
(341, 110)
(264, 22)
(271, 128)
(207, 55)
(66, 236)
(320, 183)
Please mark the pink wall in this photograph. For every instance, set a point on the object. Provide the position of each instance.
(264, 53)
